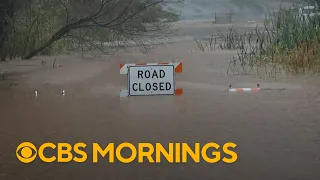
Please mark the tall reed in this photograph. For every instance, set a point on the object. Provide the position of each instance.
(289, 40)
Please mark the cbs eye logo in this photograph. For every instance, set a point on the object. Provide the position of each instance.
(26, 152)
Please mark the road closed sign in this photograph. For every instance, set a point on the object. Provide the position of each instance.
(148, 79)
(151, 80)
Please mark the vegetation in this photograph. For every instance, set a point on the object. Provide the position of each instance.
(288, 41)
(30, 27)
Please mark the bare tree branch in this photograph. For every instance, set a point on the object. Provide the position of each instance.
(117, 15)
(67, 11)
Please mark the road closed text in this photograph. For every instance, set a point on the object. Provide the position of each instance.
(151, 80)
(142, 153)
(152, 86)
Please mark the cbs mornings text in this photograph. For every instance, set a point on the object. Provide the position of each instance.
(211, 153)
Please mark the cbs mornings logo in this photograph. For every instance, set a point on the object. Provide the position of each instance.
(27, 152)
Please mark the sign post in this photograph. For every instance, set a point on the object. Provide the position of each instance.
(150, 79)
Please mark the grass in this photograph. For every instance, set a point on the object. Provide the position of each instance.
(288, 41)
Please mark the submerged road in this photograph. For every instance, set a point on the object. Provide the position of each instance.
(277, 132)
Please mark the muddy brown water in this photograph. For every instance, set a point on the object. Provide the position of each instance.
(277, 132)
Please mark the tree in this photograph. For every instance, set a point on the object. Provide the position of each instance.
(40, 25)
(119, 16)
(7, 9)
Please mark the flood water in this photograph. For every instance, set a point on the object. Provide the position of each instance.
(205, 9)
(277, 132)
